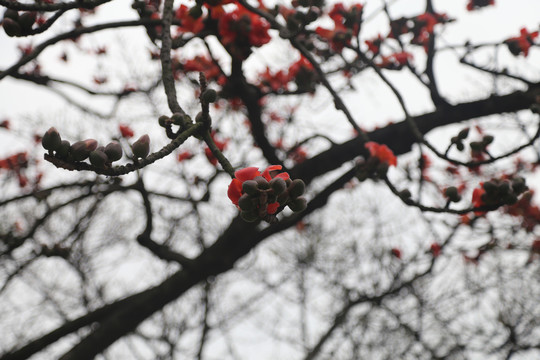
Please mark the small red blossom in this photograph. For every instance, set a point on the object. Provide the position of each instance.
(298, 154)
(184, 155)
(207, 66)
(338, 38)
(396, 252)
(477, 199)
(526, 210)
(241, 28)
(521, 44)
(395, 61)
(126, 131)
(381, 152)
(187, 22)
(375, 45)
(435, 249)
(5, 124)
(273, 82)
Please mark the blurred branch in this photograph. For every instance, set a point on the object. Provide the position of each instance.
(145, 238)
(72, 35)
(44, 6)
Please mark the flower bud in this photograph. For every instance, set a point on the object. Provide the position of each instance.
(113, 150)
(296, 188)
(63, 150)
(195, 12)
(283, 198)
(476, 146)
(490, 187)
(452, 194)
(278, 185)
(91, 144)
(11, 27)
(263, 198)
(518, 185)
(79, 151)
(163, 120)
(262, 183)
(460, 146)
(98, 158)
(504, 188)
(463, 134)
(249, 216)
(509, 199)
(51, 140)
(405, 194)
(486, 140)
(141, 147)
(11, 14)
(209, 96)
(177, 119)
(246, 203)
(250, 187)
(298, 204)
(27, 20)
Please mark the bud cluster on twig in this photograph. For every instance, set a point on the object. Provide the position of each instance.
(99, 156)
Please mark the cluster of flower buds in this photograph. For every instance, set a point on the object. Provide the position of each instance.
(376, 166)
(18, 25)
(183, 121)
(458, 140)
(260, 195)
(481, 146)
(499, 192)
(99, 156)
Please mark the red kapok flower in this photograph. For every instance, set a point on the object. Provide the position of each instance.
(234, 191)
(187, 22)
(522, 43)
(245, 25)
(381, 152)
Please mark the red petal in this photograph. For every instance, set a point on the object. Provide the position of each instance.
(235, 191)
(246, 173)
(266, 172)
